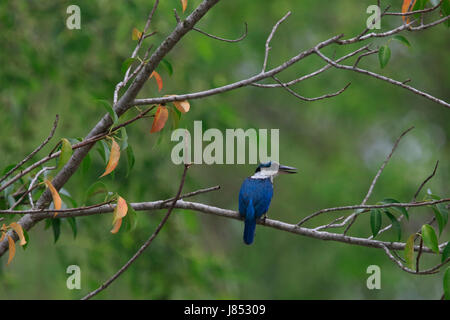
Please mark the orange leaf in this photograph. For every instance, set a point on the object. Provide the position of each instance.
(12, 249)
(120, 210)
(55, 195)
(136, 34)
(405, 7)
(114, 157)
(182, 106)
(158, 79)
(184, 4)
(116, 227)
(3, 236)
(18, 229)
(161, 116)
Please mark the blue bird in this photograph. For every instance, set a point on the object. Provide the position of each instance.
(256, 193)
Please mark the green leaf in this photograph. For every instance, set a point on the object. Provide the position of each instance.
(123, 133)
(384, 54)
(130, 159)
(375, 221)
(419, 5)
(65, 195)
(86, 164)
(395, 224)
(439, 219)
(445, 9)
(166, 64)
(444, 212)
(7, 168)
(429, 238)
(73, 226)
(103, 150)
(130, 220)
(409, 251)
(175, 117)
(446, 252)
(402, 39)
(56, 226)
(66, 153)
(27, 239)
(399, 209)
(127, 63)
(109, 109)
(97, 187)
(446, 283)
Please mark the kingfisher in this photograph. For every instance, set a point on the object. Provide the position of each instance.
(256, 193)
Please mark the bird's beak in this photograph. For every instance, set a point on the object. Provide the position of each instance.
(286, 169)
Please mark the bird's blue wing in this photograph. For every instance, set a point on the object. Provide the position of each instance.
(260, 191)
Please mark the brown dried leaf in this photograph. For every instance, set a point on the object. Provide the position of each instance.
(116, 227)
(12, 249)
(182, 106)
(114, 157)
(158, 79)
(161, 116)
(120, 210)
(136, 34)
(55, 195)
(405, 7)
(184, 4)
(18, 229)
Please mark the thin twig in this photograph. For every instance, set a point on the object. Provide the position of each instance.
(419, 254)
(223, 39)
(362, 56)
(378, 76)
(269, 38)
(194, 193)
(145, 245)
(81, 144)
(375, 179)
(325, 96)
(376, 206)
(426, 180)
(52, 132)
(433, 270)
(409, 13)
(413, 200)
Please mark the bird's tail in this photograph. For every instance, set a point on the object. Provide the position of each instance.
(250, 224)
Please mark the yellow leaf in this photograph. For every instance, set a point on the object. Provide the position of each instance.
(116, 227)
(114, 157)
(4, 228)
(18, 229)
(120, 210)
(55, 195)
(136, 34)
(3, 236)
(405, 7)
(184, 4)
(182, 106)
(12, 249)
(158, 79)
(161, 116)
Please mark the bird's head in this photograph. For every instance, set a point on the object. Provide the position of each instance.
(272, 169)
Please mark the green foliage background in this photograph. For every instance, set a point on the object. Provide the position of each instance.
(338, 144)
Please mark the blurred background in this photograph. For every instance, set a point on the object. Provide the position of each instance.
(338, 145)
